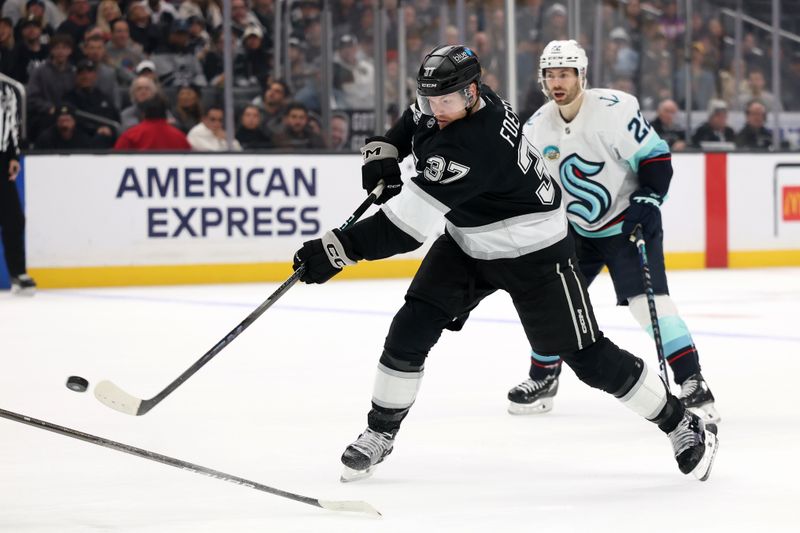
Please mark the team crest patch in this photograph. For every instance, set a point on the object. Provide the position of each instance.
(431, 122)
(551, 152)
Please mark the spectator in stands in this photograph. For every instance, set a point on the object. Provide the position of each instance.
(208, 10)
(242, 19)
(78, 20)
(791, 82)
(94, 49)
(716, 129)
(122, 52)
(16, 10)
(626, 63)
(754, 134)
(188, 110)
(29, 52)
(250, 133)
(301, 72)
(264, 10)
(356, 76)
(273, 104)
(148, 69)
(311, 94)
(199, 39)
(34, 12)
(141, 27)
(212, 60)
(555, 24)
(340, 132)
(143, 88)
(175, 64)
(755, 89)
(87, 97)
(8, 57)
(666, 126)
(251, 64)
(64, 135)
(209, 135)
(296, 132)
(162, 11)
(50, 81)
(703, 82)
(107, 11)
(153, 132)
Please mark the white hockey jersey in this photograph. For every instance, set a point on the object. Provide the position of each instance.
(595, 156)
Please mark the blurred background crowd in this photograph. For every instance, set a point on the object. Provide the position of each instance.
(324, 75)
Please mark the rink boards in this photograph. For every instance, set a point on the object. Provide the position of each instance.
(104, 220)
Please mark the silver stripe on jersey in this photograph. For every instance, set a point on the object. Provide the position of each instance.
(394, 389)
(512, 237)
(571, 307)
(415, 212)
(583, 300)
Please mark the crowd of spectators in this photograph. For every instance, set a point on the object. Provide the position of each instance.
(107, 73)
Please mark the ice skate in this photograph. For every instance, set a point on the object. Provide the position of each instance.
(533, 397)
(696, 396)
(695, 446)
(361, 457)
(23, 285)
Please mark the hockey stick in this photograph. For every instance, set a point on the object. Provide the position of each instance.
(119, 400)
(332, 505)
(637, 237)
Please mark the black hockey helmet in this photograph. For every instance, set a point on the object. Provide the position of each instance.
(447, 69)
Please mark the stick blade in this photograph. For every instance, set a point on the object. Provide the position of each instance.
(116, 398)
(350, 506)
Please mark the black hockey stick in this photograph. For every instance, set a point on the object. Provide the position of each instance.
(332, 505)
(119, 400)
(637, 237)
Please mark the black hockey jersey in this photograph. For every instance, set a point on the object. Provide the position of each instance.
(481, 175)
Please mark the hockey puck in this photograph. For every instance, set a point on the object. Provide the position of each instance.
(77, 384)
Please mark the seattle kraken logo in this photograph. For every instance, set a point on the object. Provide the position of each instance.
(593, 200)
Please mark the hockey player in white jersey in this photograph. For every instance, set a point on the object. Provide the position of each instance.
(615, 172)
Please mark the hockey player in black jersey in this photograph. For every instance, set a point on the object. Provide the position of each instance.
(505, 229)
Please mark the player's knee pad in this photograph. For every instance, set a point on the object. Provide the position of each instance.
(605, 366)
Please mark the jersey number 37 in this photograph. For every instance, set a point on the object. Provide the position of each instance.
(527, 157)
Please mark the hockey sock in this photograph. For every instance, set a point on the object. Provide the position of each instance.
(543, 366)
(678, 346)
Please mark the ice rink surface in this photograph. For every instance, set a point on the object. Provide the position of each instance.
(279, 405)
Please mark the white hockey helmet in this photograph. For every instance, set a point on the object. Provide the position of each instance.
(563, 54)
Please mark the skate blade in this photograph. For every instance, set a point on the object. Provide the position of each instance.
(17, 291)
(703, 469)
(536, 408)
(349, 474)
(707, 413)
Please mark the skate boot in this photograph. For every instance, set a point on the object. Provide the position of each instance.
(696, 396)
(533, 396)
(694, 445)
(23, 285)
(362, 456)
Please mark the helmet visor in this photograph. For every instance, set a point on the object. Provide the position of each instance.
(446, 104)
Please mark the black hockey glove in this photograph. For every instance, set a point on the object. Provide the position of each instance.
(645, 209)
(324, 257)
(381, 163)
